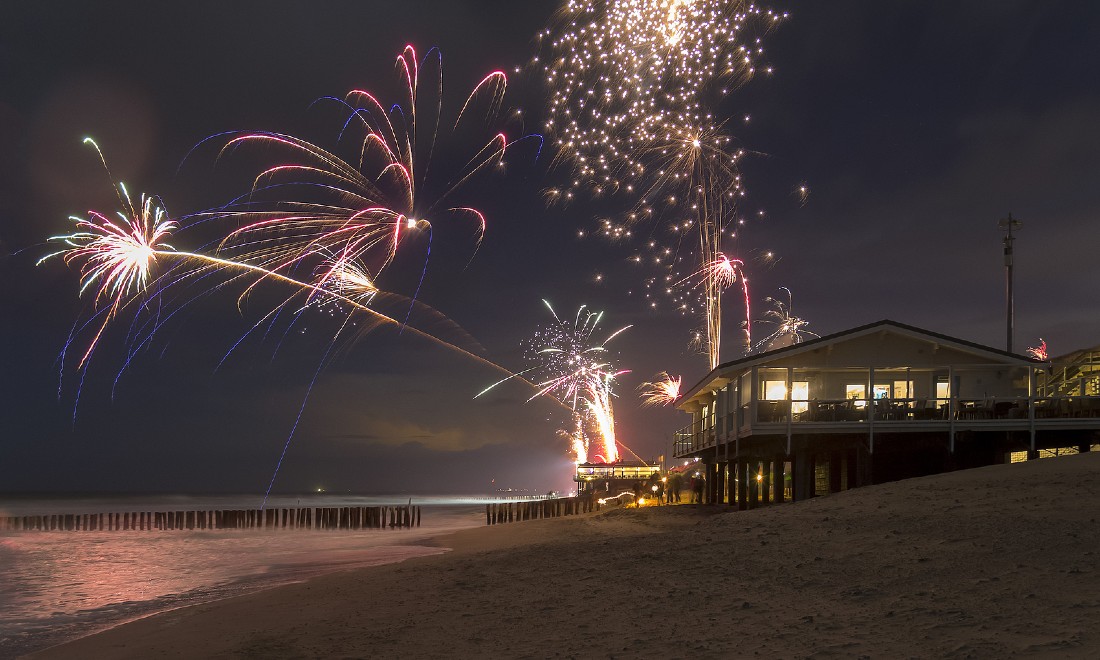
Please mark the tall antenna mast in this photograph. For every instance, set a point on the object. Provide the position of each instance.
(1009, 224)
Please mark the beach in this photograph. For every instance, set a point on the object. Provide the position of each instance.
(988, 563)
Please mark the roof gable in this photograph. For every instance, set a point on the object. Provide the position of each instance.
(848, 344)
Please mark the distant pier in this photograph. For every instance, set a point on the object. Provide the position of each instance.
(303, 518)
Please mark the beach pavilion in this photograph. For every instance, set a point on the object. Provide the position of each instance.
(877, 403)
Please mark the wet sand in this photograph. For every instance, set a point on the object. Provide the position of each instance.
(990, 563)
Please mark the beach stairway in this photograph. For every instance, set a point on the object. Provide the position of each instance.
(302, 518)
(1080, 376)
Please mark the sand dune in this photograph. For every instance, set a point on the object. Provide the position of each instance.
(989, 563)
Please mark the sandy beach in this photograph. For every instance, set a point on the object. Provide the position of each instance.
(989, 563)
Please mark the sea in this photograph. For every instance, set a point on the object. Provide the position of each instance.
(61, 585)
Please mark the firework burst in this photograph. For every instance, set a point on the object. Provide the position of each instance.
(790, 329)
(374, 191)
(1039, 352)
(115, 256)
(664, 390)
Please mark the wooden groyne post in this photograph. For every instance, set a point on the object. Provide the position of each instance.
(312, 518)
(506, 512)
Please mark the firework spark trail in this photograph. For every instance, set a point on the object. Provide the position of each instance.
(790, 329)
(576, 372)
(714, 278)
(598, 403)
(310, 288)
(298, 417)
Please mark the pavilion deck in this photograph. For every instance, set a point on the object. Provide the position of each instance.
(867, 417)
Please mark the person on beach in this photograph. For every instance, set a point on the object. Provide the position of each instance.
(674, 487)
(653, 486)
(698, 484)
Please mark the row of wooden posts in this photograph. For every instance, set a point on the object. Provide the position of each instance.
(347, 517)
(506, 512)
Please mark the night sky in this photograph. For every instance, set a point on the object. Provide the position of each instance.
(916, 126)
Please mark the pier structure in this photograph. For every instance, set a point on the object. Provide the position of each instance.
(613, 478)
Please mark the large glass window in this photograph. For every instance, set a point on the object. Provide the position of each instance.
(903, 389)
(775, 390)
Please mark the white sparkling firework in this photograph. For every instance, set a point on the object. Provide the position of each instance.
(577, 370)
(635, 77)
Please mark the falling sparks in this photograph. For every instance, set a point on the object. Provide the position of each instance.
(634, 89)
(631, 76)
(802, 192)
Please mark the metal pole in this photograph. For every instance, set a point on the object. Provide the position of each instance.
(1009, 224)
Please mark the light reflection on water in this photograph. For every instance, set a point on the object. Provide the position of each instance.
(61, 585)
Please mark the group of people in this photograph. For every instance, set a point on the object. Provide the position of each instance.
(669, 487)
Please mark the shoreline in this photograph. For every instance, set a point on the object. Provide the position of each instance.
(53, 598)
(992, 562)
(88, 622)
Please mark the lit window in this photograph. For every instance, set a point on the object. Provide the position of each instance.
(775, 390)
(800, 392)
(857, 392)
(943, 391)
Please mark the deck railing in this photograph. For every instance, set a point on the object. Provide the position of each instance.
(897, 413)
